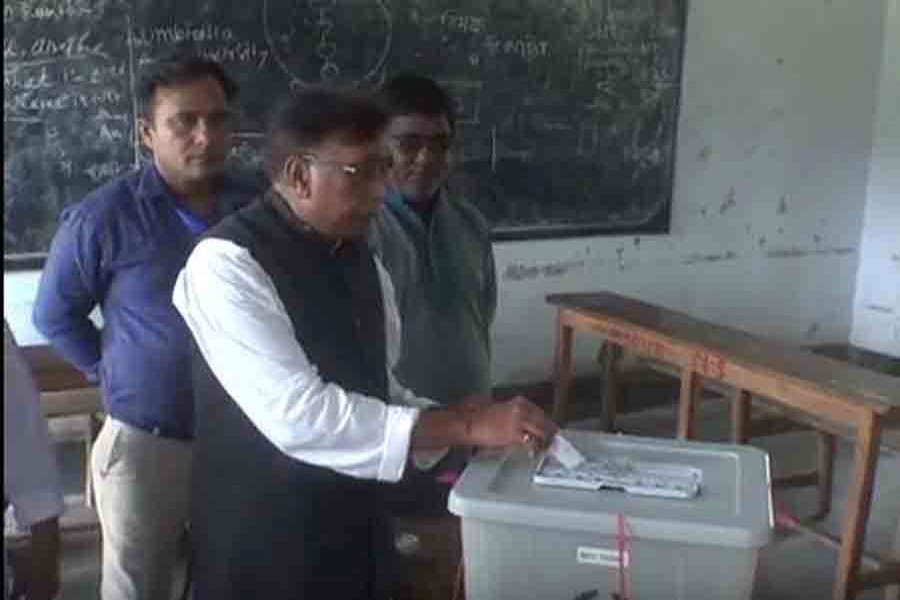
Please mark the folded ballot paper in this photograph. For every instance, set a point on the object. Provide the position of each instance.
(562, 465)
(562, 450)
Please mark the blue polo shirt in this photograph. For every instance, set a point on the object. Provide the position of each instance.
(121, 248)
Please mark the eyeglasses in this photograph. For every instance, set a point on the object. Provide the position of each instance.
(366, 170)
(184, 122)
(412, 143)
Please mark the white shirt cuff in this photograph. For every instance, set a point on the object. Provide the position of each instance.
(397, 438)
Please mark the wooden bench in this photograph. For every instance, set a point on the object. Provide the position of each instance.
(772, 418)
(832, 397)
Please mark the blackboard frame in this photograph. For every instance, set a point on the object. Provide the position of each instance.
(660, 224)
(35, 261)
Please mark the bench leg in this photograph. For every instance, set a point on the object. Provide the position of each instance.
(563, 362)
(859, 498)
(825, 469)
(610, 354)
(740, 416)
(690, 389)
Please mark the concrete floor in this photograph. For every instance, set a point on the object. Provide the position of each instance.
(792, 567)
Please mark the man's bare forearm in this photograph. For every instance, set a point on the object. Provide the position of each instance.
(440, 428)
(483, 424)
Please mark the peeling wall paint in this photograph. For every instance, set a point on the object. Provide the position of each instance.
(730, 202)
(693, 259)
(801, 252)
(620, 258)
(521, 272)
(783, 206)
(887, 310)
(812, 332)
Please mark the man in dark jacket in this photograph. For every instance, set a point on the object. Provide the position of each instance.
(300, 421)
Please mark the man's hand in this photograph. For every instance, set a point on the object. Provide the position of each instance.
(515, 421)
(472, 403)
(478, 421)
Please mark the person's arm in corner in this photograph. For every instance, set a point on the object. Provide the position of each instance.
(69, 289)
(30, 475)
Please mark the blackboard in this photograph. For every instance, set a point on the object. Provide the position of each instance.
(567, 108)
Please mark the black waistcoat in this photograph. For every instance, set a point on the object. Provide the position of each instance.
(265, 525)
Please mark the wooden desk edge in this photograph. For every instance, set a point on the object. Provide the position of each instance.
(880, 408)
(75, 401)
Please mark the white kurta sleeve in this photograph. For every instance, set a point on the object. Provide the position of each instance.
(243, 331)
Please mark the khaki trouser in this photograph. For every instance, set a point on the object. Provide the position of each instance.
(142, 485)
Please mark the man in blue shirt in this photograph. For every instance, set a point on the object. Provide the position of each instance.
(121, 248)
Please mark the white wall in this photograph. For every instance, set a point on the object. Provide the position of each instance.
(775, 136)
(19, 290)
(876, 315)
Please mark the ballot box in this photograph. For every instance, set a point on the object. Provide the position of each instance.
(524, 541)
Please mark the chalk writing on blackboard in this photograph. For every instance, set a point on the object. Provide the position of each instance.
(567, 110)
